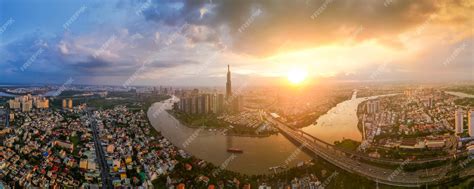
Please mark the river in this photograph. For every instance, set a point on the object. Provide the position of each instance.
(340, 122)
(259, 153)
(460, 94)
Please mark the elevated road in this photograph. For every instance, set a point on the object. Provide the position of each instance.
(348, 162)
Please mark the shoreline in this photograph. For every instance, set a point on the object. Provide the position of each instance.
(219, 129)
(154, 132)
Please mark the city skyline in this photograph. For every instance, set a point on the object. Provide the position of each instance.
(148, 42)
(242, 94)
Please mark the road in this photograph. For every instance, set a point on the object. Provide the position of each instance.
(106, 179)
(394, 177)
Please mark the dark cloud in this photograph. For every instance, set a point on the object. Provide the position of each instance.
(307, 23)
(170, 63)
(184, 32)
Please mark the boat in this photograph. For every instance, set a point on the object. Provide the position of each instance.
(234, 150)
(273, 168)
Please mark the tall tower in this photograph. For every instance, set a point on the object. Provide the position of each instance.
(228, 85)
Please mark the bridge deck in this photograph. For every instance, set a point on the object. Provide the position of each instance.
(346, 161)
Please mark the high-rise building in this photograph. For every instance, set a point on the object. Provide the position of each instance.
(195, 92)
(205, 103)
(236, 104)
(194, 105)
(228, 85)
(182, 104)
(26, 105)
(64, 103)
(41, 103)
(220, 103)
(69, 103)
(200, 105)
(372, 106)
(188, 105)
(14, 104)
(240, 103)
(458, 121)
(213, 103)
(470, 121)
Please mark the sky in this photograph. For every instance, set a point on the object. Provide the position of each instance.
(191, 42)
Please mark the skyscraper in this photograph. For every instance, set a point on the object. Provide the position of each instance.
(205, 103)
(26, 105)
(458, 121)
(194, 105)
(228, 85)
(220, 103)
(14, 104)
(470, 121)
(373, 106)
(69, 103)
(213, 103)
(64, 103)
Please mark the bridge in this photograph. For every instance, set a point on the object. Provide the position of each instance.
(382, 161)
(348, 161)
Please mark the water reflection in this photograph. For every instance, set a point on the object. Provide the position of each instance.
(340, 122)
(259, 153)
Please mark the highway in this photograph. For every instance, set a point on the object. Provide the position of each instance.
(106, 180)
(394, 177)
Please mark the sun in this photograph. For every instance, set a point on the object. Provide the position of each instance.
(297, 75)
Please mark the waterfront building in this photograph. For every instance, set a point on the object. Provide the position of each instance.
(194, 105)
(205, 103)
(200, 105)
(237, 104)
(182, 105)
(228, 85)
(188, 105)
(372, 106)
(213, 103)
(458, 121)
(220, 103)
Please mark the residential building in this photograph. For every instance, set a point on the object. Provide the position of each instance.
(470, 123)
(458, 121)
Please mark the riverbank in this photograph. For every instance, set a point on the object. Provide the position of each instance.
(304, 120)
(204, 143)
(211, 122)
(316, 170)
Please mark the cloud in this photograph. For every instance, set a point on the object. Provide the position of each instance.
(291, 20)
(180, 36)
(63, 48)
(171, 63)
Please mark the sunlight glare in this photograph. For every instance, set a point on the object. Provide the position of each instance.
(296, 76)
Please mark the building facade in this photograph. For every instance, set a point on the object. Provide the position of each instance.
(458, 121)
(470, 123)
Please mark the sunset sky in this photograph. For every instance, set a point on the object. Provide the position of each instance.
(191, 42)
